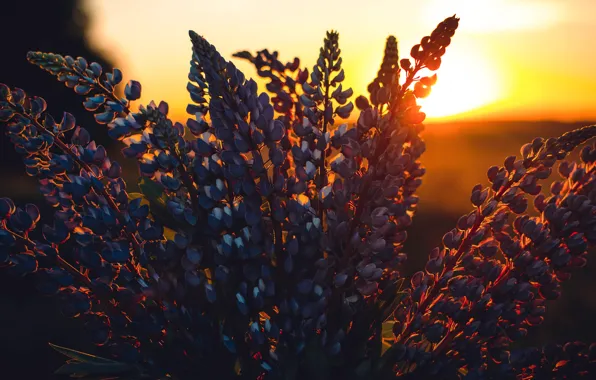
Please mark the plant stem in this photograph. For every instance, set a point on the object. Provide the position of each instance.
(188, 183)
(323, 163)
(61, 262)
(132, 266)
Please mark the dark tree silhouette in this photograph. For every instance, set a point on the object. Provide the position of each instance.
(51, 26)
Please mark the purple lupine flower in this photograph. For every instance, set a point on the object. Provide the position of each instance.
(268, 242)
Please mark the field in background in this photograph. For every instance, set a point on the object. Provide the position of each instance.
(458, 155)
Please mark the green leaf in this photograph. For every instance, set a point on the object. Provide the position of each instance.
(79, 369)
(90, 366)
(390, 299)
(153, 192)
(238, 367)
(169, 233)
(387, 336)
(81, 356)
(133, 196)
(155, 196)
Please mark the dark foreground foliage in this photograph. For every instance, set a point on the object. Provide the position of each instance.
(267, 237)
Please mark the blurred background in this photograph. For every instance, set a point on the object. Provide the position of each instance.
(516, 69)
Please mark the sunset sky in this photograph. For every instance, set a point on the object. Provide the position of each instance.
(510, 59)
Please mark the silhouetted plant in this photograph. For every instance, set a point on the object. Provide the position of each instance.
(268, 245)
(59, 27)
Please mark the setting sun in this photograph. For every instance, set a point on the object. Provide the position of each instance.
(465, 82)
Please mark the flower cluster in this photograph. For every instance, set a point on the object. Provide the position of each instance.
(488, 283)
(266, 239)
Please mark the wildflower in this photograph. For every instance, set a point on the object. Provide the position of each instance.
(267, 242)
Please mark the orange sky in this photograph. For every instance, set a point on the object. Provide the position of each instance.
(510, 59)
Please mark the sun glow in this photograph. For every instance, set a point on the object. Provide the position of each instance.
(488, 16)
(465, 83)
